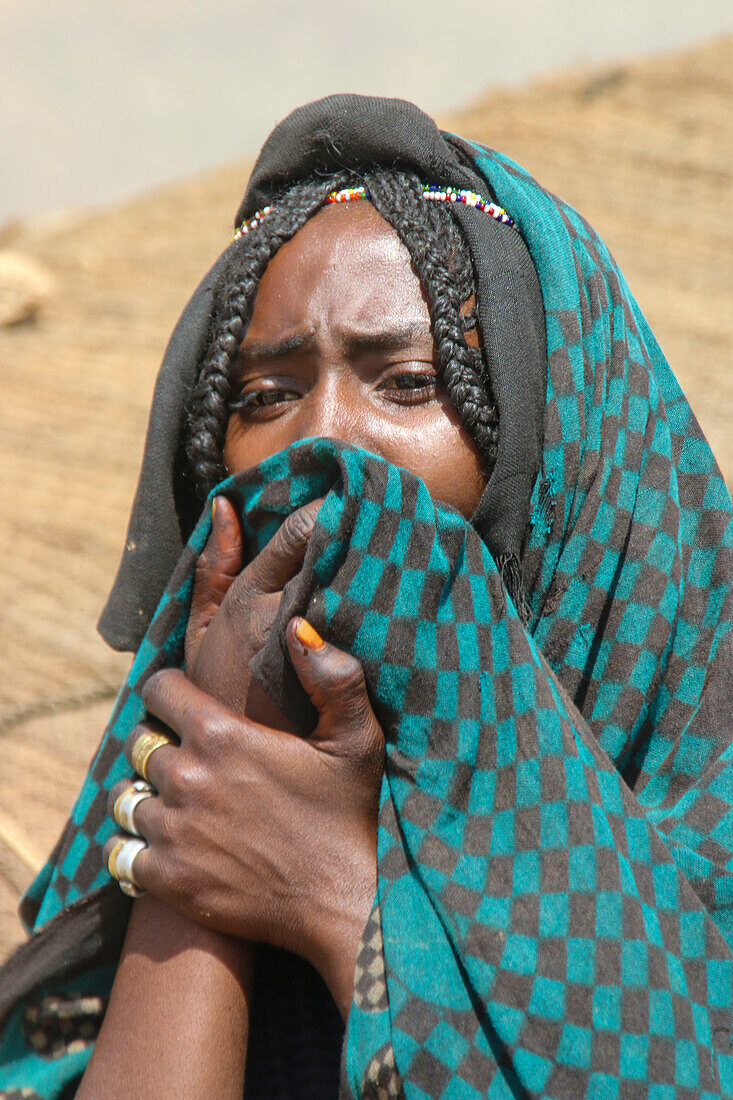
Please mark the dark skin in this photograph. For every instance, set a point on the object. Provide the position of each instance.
(257, 835)
(365, 370)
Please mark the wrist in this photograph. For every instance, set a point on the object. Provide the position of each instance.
(337, 937)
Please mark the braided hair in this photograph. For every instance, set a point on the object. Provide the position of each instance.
(442, 262)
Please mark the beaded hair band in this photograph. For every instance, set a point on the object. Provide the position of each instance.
(431, 191)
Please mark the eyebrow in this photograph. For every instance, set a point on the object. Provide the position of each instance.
(277, 349)
(394, 339)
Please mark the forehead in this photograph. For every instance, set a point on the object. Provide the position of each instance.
(346, 266)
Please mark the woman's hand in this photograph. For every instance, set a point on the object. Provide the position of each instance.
(233, 609)
(262, 834)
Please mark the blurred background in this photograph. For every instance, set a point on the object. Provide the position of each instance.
(126, 134)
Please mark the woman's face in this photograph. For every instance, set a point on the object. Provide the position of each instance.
(339, 345)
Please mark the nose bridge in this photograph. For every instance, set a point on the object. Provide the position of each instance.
(333, 408)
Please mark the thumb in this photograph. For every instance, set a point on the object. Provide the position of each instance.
(217, 567)
(334, 681)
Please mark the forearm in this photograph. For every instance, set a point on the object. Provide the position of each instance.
(178, 1017)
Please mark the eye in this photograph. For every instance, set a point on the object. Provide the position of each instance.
(254, 400)
(410, 387)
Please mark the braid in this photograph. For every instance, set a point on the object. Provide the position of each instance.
(440, 257)
(442, 262)
(208, 410)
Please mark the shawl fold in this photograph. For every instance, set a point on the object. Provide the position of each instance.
(538, 926)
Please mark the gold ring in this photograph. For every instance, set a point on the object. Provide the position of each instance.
(112, 860)
(144, 748)
(126, 804)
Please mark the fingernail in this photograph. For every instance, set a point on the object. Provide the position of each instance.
(213, 509)
(307, 636)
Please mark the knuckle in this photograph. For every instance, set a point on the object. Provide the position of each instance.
(297, 528)
(192, 786)
(176, 781)
(349, 676)
(367, 752)
(213, 734)
(163, 769)
(238, 600)
(204, 564)
(374, 745)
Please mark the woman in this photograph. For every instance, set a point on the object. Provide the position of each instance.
(550, 869)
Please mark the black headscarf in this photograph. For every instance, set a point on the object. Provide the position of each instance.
(350, 132)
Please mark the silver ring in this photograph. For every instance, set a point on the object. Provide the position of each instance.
(124, 807)
(125, 863)
(131, 890)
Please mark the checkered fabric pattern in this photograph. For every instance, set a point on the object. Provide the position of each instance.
(59, 1025)
(555, 824)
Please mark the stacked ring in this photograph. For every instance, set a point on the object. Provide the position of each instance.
(144, 748)
(112, 859)
(125, 805)
(121, 862)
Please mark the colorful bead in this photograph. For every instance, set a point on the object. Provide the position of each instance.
(348, 194)
(431, 191)
(252, 223)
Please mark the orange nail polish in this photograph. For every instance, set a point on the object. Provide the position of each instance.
(214, 503)
(307, 636)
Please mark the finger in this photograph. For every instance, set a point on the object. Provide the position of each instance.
(217, 567)
(184, 710)
(335, 682)
(283, 556)
(116, 791)
(118, 807)
(150, 728)
(251, 617)
(144, 864)
(149, 725)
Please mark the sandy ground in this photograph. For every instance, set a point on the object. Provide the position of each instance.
(645, 151)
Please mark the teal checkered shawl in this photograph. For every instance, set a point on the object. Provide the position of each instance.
(553, 915)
